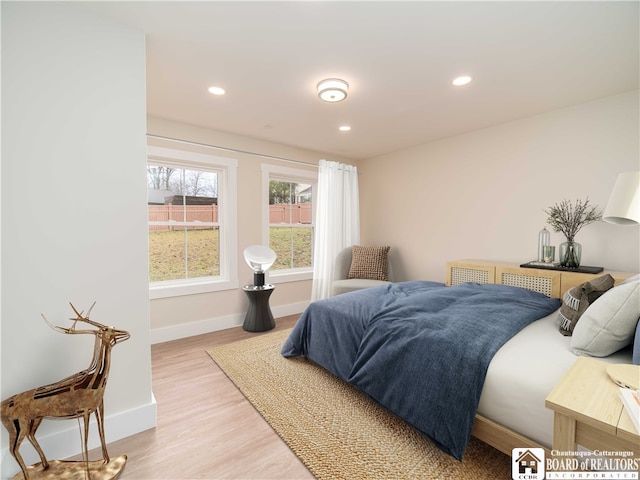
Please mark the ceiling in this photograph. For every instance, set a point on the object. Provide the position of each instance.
(399, 59)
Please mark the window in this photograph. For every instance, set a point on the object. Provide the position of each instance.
(289, 223)
(192, 222)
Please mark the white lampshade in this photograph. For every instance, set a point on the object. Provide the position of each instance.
(333, 90)
(623, 207)
(259, 257)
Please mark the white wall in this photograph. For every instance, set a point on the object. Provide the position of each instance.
(73, 210)
(482, 194)
(177, 317)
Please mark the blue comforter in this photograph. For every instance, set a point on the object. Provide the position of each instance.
(418, 348)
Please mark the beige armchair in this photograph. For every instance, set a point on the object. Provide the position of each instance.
(342, 284)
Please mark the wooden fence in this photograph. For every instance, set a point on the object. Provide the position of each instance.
(290, 214)
(176, 213)
(287, 214)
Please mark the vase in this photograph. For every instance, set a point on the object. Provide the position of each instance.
(570, 253)
(544, 239)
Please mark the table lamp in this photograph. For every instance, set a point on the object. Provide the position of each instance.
(259, 258)
(623, 207)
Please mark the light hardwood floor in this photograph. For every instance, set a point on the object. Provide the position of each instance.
(206, 428)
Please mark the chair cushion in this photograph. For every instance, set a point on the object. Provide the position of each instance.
(369, 263)
(344, 286)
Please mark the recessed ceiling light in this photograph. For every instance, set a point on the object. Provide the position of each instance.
(344, 128)
(216, 90)
(463, 80)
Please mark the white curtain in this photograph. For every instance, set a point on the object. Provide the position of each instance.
(337, 221)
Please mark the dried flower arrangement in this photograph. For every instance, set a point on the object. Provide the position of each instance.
(569, 219)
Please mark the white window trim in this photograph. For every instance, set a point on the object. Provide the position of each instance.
(293, 174)
(228, 218)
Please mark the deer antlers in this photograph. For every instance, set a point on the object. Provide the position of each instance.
(79, 318)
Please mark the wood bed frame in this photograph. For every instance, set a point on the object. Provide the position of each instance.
(553, 283)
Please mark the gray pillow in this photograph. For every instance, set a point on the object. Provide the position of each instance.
(577, 299)
(610, 323)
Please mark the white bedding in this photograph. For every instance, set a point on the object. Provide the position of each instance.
(523, 372)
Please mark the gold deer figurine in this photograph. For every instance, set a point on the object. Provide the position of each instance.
(77, 396)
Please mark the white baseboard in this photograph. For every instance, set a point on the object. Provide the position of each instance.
(190, 329)
(290, 309)
(68, 442)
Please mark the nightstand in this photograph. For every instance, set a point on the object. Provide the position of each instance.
(259, 317)
(588, 411)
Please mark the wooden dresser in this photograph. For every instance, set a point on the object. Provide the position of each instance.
(552, 283)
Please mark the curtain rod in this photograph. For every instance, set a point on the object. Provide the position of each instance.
(227, 149)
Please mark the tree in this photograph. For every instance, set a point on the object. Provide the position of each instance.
(159, 177)
(282, 192)
(199, 184)
(183, 182)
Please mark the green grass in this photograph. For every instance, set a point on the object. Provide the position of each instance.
(293, 246)
(167, 252)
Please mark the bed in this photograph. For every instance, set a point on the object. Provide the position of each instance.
(384, 340)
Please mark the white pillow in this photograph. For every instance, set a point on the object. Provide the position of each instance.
(635, 278)
(609, 323)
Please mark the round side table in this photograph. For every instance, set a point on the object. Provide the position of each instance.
(259, 317)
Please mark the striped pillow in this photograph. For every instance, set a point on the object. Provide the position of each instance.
(577, 299)
(369, 263)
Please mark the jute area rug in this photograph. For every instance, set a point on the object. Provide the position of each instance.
(337, 431)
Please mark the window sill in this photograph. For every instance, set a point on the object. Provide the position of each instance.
(194, 287)
(293, 275)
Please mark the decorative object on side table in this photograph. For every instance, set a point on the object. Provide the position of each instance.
(548, 254)
(77, 396)
(557, 266)
(544, 240)
(625, 375)
(569, 219)
(259, 317)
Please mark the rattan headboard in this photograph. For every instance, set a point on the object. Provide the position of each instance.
(553, 283)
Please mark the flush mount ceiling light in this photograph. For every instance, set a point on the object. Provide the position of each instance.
(333, 90)
(463, 80)
(344, 128)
